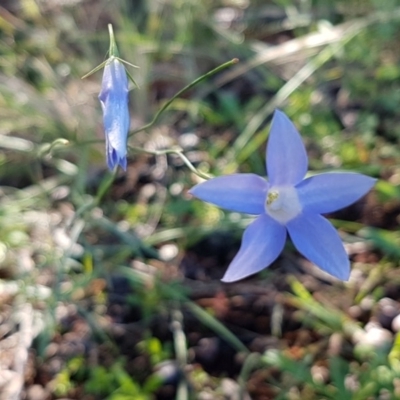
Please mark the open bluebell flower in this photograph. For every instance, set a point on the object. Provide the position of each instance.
(286, 203)
(114, 102)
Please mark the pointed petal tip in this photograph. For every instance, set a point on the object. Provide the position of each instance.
(342, 274)
(366, 181)
(286, 155)
(263, 240)
(114, 160)
(318, 241)
(233, 276)
(345, 277)
(193, 190)
(279, 113)
(196, 190)
(123, 163)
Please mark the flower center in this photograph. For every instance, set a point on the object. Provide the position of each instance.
(282, 204)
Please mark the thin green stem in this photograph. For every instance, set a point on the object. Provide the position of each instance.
(219, 328)
(177, 151)
(180, 345)
(252, 361)
(186, 88)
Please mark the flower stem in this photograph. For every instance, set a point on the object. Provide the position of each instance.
(177, 151)
(186, 88)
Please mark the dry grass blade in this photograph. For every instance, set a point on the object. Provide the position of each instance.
(311, 41)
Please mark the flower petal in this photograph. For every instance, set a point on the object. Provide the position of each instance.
(329, 192)
(316, 238)
(286, 155)
(114, 102)
(262, 242)
(238, 192)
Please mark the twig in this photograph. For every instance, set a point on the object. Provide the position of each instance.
(177, 151)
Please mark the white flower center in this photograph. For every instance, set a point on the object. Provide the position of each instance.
(282, 204)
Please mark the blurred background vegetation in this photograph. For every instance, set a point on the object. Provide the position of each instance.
(109, 284)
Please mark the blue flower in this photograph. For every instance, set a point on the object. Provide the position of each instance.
(114, 102)
(286, 203)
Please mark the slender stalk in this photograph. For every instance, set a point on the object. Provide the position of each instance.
(186, 88)
(180, 345)
(177, 151)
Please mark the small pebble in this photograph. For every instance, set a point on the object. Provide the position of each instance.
(203, 395)
(37, 392)
(374, 335)
(168, 371)
(207, 349)
(396, 323)
(320, 374)
(231, 390)
(188, 140)
(367, 303)
(351, 382)
(168, 251)
(388, 310)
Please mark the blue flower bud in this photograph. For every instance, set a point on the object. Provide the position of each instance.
(114, 102)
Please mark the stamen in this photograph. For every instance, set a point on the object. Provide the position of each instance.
(272, 196)
(283, 204)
